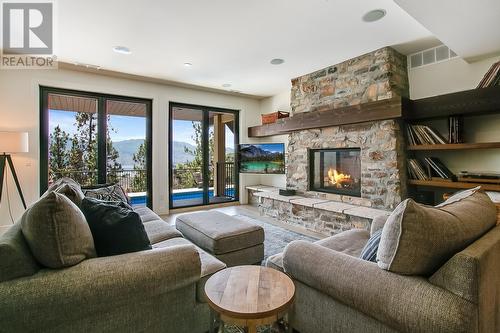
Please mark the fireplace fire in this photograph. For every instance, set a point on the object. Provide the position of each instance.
(335, 171)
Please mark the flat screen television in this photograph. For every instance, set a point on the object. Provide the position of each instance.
(262, 158)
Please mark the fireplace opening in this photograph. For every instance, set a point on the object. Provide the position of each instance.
(335, 170)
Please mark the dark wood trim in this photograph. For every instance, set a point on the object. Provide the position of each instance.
(456, 146)
(456, 185)
(468, 102)
(102, 154)
(102, 162)
(205, 110)
(371, 111)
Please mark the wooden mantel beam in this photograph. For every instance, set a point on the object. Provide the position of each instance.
(361, 113)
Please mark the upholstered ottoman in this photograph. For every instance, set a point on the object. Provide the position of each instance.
(233, 241)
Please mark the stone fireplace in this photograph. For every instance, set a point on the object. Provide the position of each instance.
(344, 175)
(378, 75)
(335, 171)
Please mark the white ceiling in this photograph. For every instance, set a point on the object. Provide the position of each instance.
(471, 28)
(228, 41)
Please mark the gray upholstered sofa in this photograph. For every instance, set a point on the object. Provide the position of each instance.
(336, 291)
(159, 290)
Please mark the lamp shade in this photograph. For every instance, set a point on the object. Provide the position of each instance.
(13, 142)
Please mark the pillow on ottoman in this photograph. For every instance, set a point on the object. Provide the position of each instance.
(116, 228)
(56, 232)
(418, 239)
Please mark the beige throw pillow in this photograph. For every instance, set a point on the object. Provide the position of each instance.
(57, 232)
(418, 239)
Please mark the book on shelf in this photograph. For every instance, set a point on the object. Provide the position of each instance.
(424, 135)
(455, 129)
(417, 170)
(436, 167)
(431, 169)
(492, 77)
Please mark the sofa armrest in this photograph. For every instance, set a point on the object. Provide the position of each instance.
(98, 284)
(401, 302)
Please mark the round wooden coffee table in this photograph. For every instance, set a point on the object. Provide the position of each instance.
(249, 296)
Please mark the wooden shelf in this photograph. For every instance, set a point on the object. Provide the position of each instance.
(328, 116)
(456, 146)
(459, 185)
(468, 102)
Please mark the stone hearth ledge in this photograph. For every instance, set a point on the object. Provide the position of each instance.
(270, 192)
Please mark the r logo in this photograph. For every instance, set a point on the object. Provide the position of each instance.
(27, 28)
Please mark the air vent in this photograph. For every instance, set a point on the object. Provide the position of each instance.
(431, 56)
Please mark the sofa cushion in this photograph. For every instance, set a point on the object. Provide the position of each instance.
(219, 233)
(106, 192)
(116, 228)
(350, 242)
(160, 230)
(146, 214)
(418, 239)
(369, 252)
(57, 232)
(62, 181)
(16, 259)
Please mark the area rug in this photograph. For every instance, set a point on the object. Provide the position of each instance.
(277, 238)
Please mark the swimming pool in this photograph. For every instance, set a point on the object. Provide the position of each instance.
(196, 194)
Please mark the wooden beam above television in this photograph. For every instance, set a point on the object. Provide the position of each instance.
(361, 113)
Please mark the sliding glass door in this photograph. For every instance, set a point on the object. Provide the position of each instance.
(202, 149)
(96, 139)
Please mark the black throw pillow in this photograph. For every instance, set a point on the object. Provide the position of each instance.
(116, 228)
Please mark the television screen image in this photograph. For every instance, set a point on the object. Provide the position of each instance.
(263, 158)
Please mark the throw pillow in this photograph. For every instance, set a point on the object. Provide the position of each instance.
(116, 228)
(56, 232)
(418, 239)
(69, 188)
(106, 192)
(369, 251)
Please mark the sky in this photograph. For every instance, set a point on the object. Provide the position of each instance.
(129, 127)
(183, 130)
(126, 128)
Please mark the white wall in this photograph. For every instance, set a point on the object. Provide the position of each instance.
(452, 76)
(19, 110)
(446, 77)
(280, 102)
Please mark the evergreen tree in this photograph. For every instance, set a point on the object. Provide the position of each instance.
(58, 153)
(139, 180)
(190, 173)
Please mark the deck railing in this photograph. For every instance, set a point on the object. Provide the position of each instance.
(131, 180)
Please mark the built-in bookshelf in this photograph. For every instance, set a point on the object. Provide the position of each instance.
(423, 139)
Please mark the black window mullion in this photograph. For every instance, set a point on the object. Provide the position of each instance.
(206, 156)
(102, 125)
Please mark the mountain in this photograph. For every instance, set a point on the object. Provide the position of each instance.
(127, 148)
(179, 155)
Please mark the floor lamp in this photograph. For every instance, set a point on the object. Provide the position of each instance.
(11, 142)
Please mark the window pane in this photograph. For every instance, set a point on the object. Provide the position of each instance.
(187, 157)
(126, 151)
(72, 138)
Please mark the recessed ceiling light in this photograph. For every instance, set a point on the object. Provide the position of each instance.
(188, 64)
(122, 50)
(226, 85)
(374, 15)
(277, 61)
